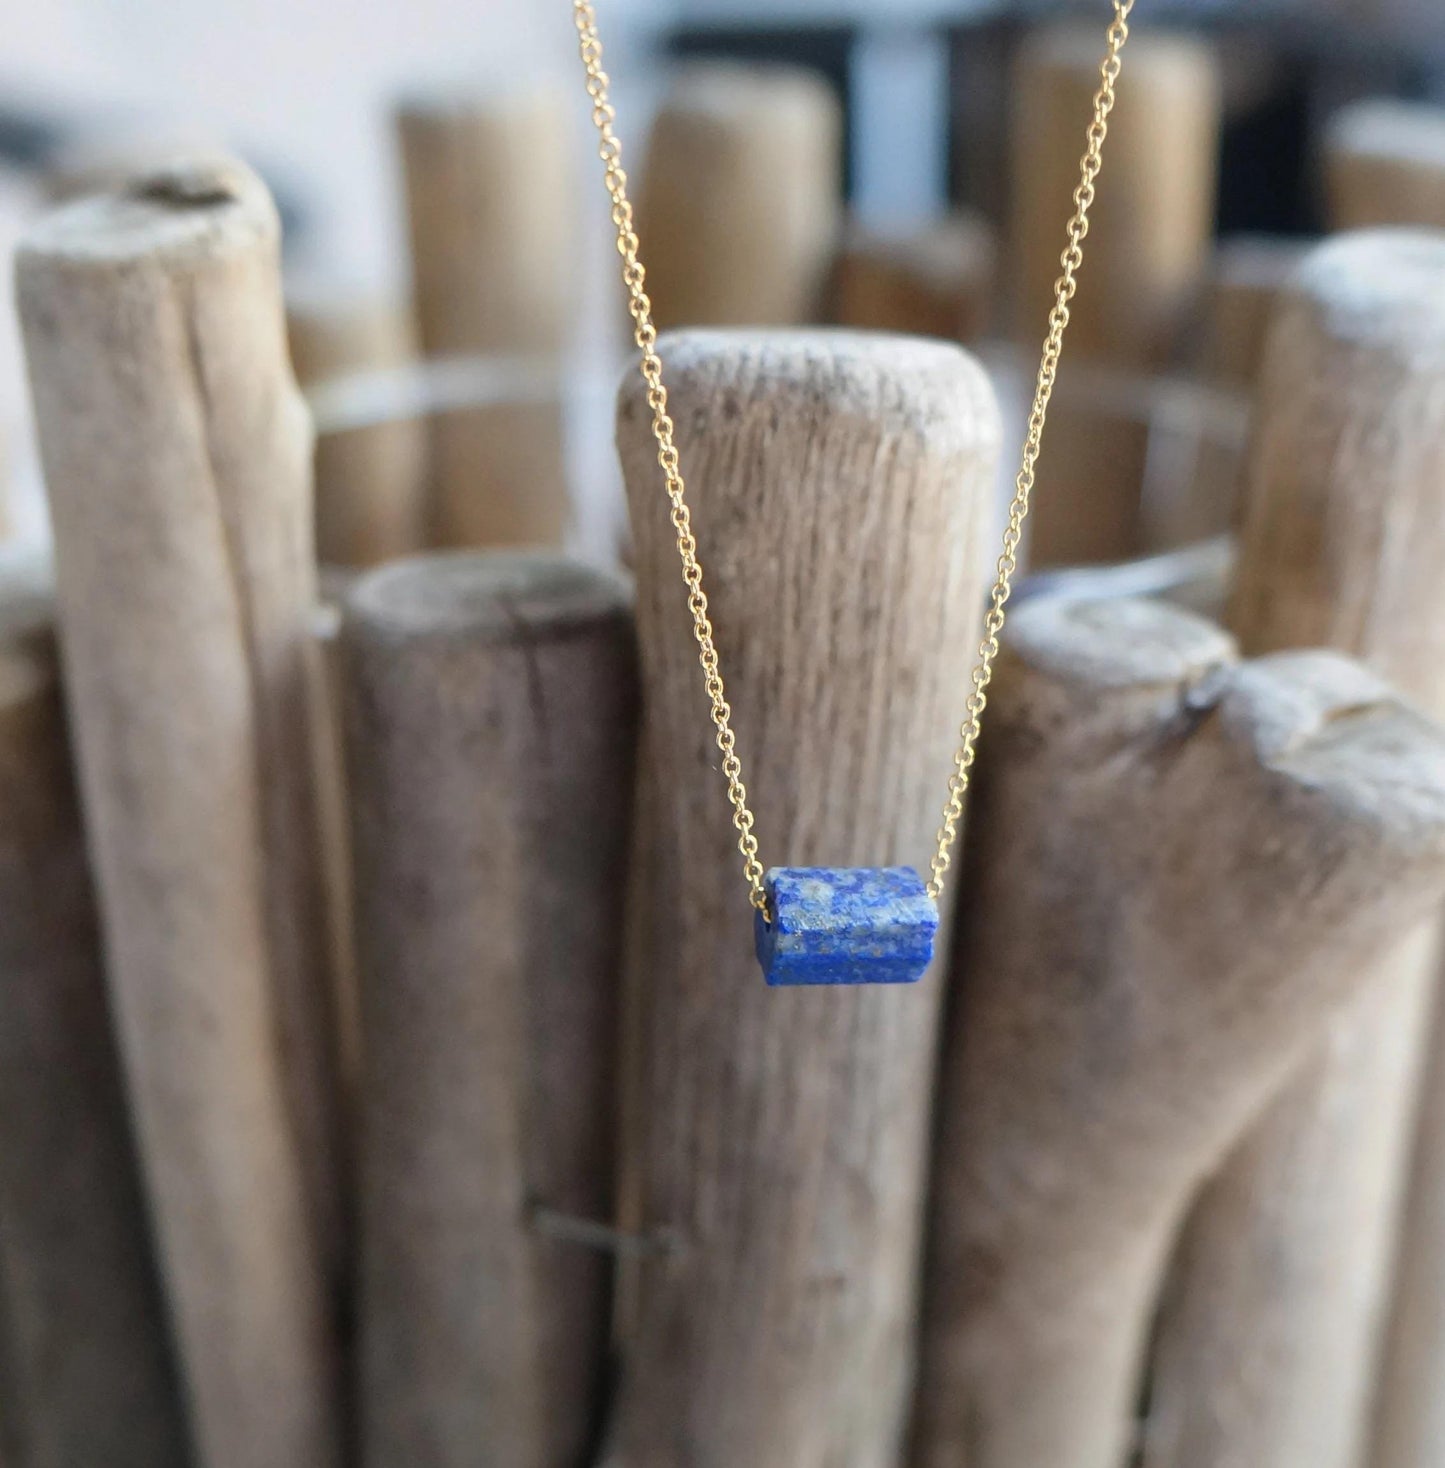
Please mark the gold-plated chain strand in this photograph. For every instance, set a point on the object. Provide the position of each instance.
(644, 334)
(1064, 287)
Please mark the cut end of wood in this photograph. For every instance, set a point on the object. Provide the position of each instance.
(510, 596)
(932, 390)
(1069, 48)
(200, 205)
(1099, 645)
(1388, 130)
(1379, 286)
(754, 94)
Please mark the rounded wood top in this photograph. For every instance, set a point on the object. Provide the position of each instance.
(193, 207)
(927, 388)
(502, 596)
(1383, 286)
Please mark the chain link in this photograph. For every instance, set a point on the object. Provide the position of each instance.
(584, 15)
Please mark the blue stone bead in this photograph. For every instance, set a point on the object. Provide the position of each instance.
(845, 925)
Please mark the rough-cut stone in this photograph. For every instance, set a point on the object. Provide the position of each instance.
(846, 925)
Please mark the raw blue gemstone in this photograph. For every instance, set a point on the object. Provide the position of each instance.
(845, 925)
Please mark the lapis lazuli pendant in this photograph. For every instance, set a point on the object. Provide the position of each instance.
(845, 925)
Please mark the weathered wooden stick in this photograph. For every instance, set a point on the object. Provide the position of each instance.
(840, 484)
(491, 721)
(739, 199)
(370, 482)
(1248, 274)
(176, 455)
(1287, 1254)
(1150, 228)
(491, 209)
(86, 1374)
(1177, 865)
(1385, 164)
(934, 279)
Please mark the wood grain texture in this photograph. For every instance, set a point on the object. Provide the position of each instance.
(86, 1373)
(1177, 864)
(1384, 163)
(492, 703)
(739, 197)
(1285, 1262)
(934, 279)
(176, 454)
(1149, 233)
(491, 214)
(371, 482)
(841, 484)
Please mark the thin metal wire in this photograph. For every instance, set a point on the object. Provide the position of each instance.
(604, 117)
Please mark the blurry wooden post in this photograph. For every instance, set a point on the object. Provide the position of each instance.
(936, 279)
(1248, 275)
(177, 458)
(1269, 1339)
(86, 1374)
(1149, 234)
(491, 726)
(740, 196)
(1176, 865)
(494, 240)
(370, 482)
(841, 484)
(1385, 164)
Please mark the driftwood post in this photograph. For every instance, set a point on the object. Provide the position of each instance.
(1149, 233)
(1385, 164)
(1248, 274)
(176, 455)
(370, 482)
(1269, 1338)
(935, 279)
(776, 1139)
(739, 197)
(490, 207)
(85, 1364)
(491, 721)
(1177, 864)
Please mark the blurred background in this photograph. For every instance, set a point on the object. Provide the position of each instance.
(915, 194)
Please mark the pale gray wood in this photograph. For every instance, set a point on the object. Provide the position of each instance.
(491, 183)
(739, 196)
(1177, 864)
(177, 458)
(841, 486)
(1269, 1341)
(86, 1373)
(491, 719)
(1384, 163)
(371, 482)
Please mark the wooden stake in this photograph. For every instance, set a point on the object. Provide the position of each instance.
(1249, 273)
(1150, 227)
(932, 280)
(1287, 1255)
(370, 482)
(87, 1374)
(491, 208)
(1177, 865)
(739, 200)
(1385, 164)
(176, 454)
(491, 721)
(841, 485)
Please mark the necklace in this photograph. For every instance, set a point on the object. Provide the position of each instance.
(842, 925)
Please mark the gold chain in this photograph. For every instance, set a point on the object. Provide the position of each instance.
(584, 15)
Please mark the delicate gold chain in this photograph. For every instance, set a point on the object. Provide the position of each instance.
(584, 15)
